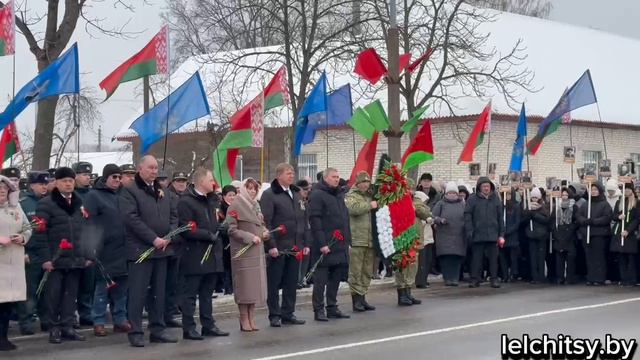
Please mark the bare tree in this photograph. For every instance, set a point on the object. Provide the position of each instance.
(535, 8)
(46, 45)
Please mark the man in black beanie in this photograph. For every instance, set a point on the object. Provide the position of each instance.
(60, 248)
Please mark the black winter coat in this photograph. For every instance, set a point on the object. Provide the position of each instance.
(540, 220)
(327, 213)
(601, 215)
(514, 219)
(148, 212)
(278, 208)
(201, 209)
(630, 225)
(64, 221)
(105, 219)
(564, 235)
(29, 202)
(483, 216)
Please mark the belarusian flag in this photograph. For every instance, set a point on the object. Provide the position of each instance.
(482, 127)
(9, 143)
(277, 92)
(420, 150)
(153, 59)
(7, 29)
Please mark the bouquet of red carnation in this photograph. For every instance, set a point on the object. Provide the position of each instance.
(280, 229)
(295, 252)
(36, 224)
(335, 237)
(110, 283)
(191, 226)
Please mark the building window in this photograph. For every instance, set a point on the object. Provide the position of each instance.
(307, 166)
(591, 159)
(635, 158)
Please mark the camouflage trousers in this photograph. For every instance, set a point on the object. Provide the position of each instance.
(406, 278)
(360, 269)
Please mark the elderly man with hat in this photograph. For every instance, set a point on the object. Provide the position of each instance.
(163, 179)
(37, 189)
(60, 248)
(128, 174)
(360, 204)
(83, 172)
(179, 182)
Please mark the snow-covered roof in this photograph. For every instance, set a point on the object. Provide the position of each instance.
(97, 159)
(558, 54)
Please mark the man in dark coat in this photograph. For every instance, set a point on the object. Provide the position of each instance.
(199, 204)
(328, 214)
(60, 248)
(599, 225)
(83, 172)
(485, 229)
(37, 189)
(149, 214)
(128, 174)
(104, 219)
(281, 204)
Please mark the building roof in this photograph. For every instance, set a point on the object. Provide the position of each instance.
(97, 159)
(558, 54)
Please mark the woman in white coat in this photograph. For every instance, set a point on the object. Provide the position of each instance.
(14, 234)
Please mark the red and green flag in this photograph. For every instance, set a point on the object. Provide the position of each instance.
(482, 127)
(420, 150)
(9, 142)
(366, 159)
(152, 59)
(7, 29)
(276, 93)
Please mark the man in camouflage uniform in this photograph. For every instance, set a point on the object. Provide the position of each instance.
(360, 203)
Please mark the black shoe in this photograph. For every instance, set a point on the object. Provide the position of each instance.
(589, 283)
(26, 331)
(495, 284)
(55, 336)
(72, 334)
(320, 316)
(213, 331)
(403, 300)
(423, 286)
(275, 322)
(173, 323)
(598, 283)
(366, 304)
(86, 322)
(337, 314)
(6, 345)
(192, 335)
(474, 284)
(357, 303)
(292, 321)
(414, 301)
(44, 327)
(163, 338)
(136, 340)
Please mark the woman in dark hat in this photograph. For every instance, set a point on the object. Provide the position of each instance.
(625, 242)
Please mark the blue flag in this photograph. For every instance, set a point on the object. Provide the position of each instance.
(339, 111)
(185, 104)
(517, 155)
(61, 77)
(316, 102)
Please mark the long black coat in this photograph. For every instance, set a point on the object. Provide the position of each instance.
(327, 213)
(512, 227)
(201, 209)
(601, 215)
(64, 221)
(483, 215)
(564, 235)
(630, 225)
(540, 220)
(105, 219)
(278, 208)
(147, 212)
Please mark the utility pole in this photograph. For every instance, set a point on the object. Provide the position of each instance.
(100, 138)
(393, 135)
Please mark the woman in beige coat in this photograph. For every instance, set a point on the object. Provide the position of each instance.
(246, 226)
(14, 234)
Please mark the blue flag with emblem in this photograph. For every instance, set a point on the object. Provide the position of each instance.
(316, 102)
(61, 77)
(339, 111)
(517, 155)
(185, 104)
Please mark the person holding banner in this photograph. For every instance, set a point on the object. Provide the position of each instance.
(563, 229)
(509, 253)
(625, 241)
(595, 231)
(537, 216)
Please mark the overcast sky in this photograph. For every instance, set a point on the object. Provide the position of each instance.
(100, 54)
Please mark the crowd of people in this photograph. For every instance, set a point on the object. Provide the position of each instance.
(77, 251)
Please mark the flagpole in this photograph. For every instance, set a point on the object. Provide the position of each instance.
(571, 144)
(353, 139)
(76, 120)
(262, 163)
(488, 148)
(166, 129)
(604, 142)
(13, 96)
(327, 121)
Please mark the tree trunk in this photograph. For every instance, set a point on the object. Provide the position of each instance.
(43, 139)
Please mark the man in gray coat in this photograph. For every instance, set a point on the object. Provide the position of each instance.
(149, 215)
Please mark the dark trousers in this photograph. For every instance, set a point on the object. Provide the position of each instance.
(304, 268)
(151, 272)
(450, 265)
(565, 260)
(282, 273)
(627, 267)
(173, 288)
(508, 260)
(61, 294)
(85, 293)
(27, 310)
(480, 251)
(537, 254)
(425, 263)
(200, 286)
(596, 255)
(5, 314)
(327, 279)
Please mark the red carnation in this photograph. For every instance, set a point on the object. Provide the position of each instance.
(337, 234)
(234, 214)
(40, 224)
(65, 245)
(112, 285)
(193, 226)
(295, 248)
(283, 230)
(299, 256)
(393, 187)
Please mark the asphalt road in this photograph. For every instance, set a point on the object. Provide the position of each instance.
(452, 323)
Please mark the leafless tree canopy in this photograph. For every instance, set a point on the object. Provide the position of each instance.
(535, 8)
